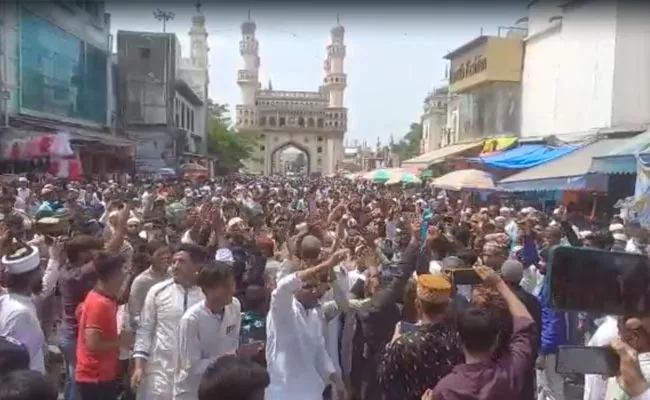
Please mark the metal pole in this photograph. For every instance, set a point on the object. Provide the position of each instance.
(163, 16)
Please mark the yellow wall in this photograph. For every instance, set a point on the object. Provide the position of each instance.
(504, 63)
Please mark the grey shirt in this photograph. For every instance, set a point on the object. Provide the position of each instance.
(139, 288)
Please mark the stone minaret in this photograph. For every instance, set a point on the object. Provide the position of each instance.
(199, 39)
(247, 78)
(335, 78)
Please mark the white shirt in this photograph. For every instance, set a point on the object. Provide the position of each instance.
(23, 193)
(297, 360)
(156, 338)
(203, 337)
(19, 320)
(596, 385)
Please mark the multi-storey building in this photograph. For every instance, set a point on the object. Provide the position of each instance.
(56, 76)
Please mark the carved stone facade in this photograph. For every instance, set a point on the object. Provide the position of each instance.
(311, 121)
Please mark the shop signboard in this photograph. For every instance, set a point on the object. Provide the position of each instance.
(485, 59)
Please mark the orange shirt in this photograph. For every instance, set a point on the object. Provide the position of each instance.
(98, 311)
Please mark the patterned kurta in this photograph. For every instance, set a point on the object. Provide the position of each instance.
(417, 360)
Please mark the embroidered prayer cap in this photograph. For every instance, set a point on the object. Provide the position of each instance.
(234, 221)
(493, 248)
(224, 255)
(616, 228)
(23, 260)
(433, 288)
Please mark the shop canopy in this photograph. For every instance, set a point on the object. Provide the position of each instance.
(622, 159)
(569, 172)
(524, 156)
(423, 161)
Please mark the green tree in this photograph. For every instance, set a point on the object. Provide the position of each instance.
(409, 145)
(228, 146)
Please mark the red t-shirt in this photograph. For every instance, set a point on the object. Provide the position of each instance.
(98, 311)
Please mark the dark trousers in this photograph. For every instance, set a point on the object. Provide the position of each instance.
(97, 390)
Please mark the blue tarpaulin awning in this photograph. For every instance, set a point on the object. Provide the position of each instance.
(570, 172)
(622, 159)
(522, 157)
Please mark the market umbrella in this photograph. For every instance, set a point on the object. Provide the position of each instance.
(466, 179)
(193, 167)
(378, 175)
(405, 177)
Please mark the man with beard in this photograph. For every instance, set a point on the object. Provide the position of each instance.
(18, 317)
(157, 333)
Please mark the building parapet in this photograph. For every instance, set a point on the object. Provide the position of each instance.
(286, 94)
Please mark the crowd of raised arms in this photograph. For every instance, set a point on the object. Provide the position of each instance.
(250, 288)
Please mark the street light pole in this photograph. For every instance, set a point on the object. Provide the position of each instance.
(164, 16)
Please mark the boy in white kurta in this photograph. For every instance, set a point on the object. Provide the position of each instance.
(208, 330)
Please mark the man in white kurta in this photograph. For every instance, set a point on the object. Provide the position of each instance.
(203, 336)
(18, 317)
(157, 336)
(298, 362)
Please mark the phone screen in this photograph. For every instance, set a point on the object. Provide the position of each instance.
(406, 327)
(602, 281)
(587, 360)
(465, 276)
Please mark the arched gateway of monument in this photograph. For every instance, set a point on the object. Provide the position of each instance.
(314, 122)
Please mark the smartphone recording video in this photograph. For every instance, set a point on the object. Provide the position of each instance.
(406, 327)
(607, 282)
(465, 276)
(587, 360)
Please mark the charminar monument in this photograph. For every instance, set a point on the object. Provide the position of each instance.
(312, 121)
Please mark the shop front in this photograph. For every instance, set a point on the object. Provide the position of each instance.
(72, 154)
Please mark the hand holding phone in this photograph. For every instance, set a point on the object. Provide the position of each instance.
(406, 327)
(587, 360)
(465, 276)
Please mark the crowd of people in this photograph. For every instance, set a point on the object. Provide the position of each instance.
(249, 288)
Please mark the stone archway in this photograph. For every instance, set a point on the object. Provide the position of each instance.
(272, 160)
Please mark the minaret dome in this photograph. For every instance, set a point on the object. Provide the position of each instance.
(248, 28)
(338, 31)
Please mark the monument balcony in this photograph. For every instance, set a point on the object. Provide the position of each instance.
(336, 50)
(248, 47)
(246, 76)
(336, 80)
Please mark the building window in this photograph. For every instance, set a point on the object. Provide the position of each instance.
(262, 121)
(319, 123)
(262, 148)
(272, 121)
(191, 120)
(283, 121)
(182, 115)
(54, 61)
(319, 139)
(319, 149)
(145, 53)
(187, 117)
(310, 123)
(301, 122)
(319, 161)
(262, 136)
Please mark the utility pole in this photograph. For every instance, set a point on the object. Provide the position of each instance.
(164, 16)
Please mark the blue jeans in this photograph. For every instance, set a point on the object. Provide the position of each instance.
(68, 347)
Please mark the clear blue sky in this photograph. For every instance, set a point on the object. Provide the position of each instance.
(394, 54)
